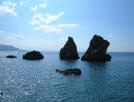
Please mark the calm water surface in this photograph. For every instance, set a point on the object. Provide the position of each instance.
(36, 81)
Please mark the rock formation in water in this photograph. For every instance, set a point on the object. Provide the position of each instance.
(97, 50)
(11, 56)
(33, 55)
(75, 71)
(69, 51)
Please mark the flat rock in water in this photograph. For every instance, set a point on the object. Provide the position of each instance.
(33, 55)
(11, 56)
(75, 71)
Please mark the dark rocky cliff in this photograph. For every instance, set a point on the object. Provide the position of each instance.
(97, 50)
(69, 51)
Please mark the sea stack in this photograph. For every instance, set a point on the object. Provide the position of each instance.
(33, 55)
(69, 51)
(97, 50)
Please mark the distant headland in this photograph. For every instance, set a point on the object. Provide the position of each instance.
(8, 48)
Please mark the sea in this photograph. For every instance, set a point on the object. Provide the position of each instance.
(36, 81)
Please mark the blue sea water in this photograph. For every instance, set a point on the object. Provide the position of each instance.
(36, 81)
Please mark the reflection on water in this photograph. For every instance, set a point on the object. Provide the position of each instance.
(98, 64)
(70, 63)
(37, 81)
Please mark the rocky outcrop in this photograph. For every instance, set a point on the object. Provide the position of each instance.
(33, 55)
(11, 56)
(69, 51)
(97, 50)
(75, 71)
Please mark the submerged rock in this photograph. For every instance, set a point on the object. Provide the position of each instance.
(33, 55)
(75, 71)
(11, 56)
(69, 51)
(97, 50)
(1, 95)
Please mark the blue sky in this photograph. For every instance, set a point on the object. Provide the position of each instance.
(46, 24)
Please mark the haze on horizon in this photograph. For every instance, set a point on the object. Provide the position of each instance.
(46, 24)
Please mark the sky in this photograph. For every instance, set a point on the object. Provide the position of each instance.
(46, 24)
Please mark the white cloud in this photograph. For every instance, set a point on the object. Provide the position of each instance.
(67, 25)
(50, 18)
(38, 18)
(42, 23)
(34, 8)
(44, 5)
(55, 29)
(21, 3)
(8, 3)
(48, 29)
(7, 8)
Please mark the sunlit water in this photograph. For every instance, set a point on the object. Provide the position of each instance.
(36, 81)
